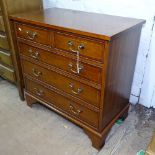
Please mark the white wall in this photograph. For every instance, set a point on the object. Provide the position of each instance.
(144, 9)
(147, 96)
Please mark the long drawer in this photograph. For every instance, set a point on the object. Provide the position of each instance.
(4, 42)
(62, 103)
(34, 34)
(7, 73)
(5, 58)
(2, 28)
(86, 71)
(75, 88)
(86, 47)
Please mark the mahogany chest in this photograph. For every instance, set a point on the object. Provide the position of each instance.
(79, 64)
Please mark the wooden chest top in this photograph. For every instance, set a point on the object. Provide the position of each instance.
(83, 23)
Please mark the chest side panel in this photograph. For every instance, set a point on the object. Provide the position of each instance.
(119, 76)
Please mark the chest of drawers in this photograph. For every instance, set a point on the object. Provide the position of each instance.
(79, 64)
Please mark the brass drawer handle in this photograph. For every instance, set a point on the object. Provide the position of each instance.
(31, 35)
(77, 92)
(39, 92)
(19, 29)
(70, 45)
(81, 47)
(34, 55)
(36, 73)
(74, 111)
(80, 68)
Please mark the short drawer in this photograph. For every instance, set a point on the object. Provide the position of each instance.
(34, 34)
(64, 104)
(89, 48)
(86, 71)
(4, 42)
(2, 28)
(5, 58)
(7, 73)
(68, 85)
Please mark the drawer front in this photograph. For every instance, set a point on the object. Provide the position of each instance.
(88, 48)
(61, 82)
(34, 34)
(86, 71)
(2, 28)
(5, 58)
(4, 42)
(7, 73)
(66, 105)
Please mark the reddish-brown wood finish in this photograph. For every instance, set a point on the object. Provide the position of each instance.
(34, 34)
(95, 25)
(75, 88)
(67, 64)
(91, 48)
(95, 96)
(121, 63)
(66, 105)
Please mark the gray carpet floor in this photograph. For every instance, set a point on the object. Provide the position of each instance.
(40, 131)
